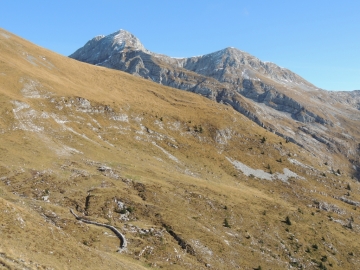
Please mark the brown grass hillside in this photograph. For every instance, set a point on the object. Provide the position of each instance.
(159, 165)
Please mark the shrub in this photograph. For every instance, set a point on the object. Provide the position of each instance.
(322, 266)
(349, 225)
(226, 223)
(348, 187)
(130, 209)
(122, 211)
(287, 220)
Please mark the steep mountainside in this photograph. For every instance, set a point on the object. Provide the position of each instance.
(275, 98)
(156, 177)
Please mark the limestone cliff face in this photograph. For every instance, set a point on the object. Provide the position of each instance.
(272, 96)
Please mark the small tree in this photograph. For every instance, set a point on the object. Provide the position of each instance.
(226, 223)
(287, 220)
(200, 129)
(322, 266)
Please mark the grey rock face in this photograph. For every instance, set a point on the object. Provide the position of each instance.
(230, 64)
(271, 96)
(101, 49)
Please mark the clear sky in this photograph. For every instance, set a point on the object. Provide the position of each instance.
(317, 39)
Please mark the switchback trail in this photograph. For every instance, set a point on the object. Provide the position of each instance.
(123, 243)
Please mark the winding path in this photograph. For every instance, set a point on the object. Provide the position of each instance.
(123, 243)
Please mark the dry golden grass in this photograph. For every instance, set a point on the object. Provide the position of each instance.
(52, 148)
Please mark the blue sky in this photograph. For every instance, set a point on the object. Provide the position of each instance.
(318, 39)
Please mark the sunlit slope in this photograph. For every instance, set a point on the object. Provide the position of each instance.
(189, 182)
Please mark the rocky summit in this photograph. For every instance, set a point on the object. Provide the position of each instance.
(325, 123)
(101, 169)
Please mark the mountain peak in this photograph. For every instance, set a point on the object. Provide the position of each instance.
(100, 48)
(124, 39)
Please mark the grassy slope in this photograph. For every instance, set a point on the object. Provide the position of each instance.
(53, 143)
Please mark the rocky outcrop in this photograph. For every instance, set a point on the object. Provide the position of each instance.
(182, 243)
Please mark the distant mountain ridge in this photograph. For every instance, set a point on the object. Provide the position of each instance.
(236, 71)
(273, 97)
(101, 49)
